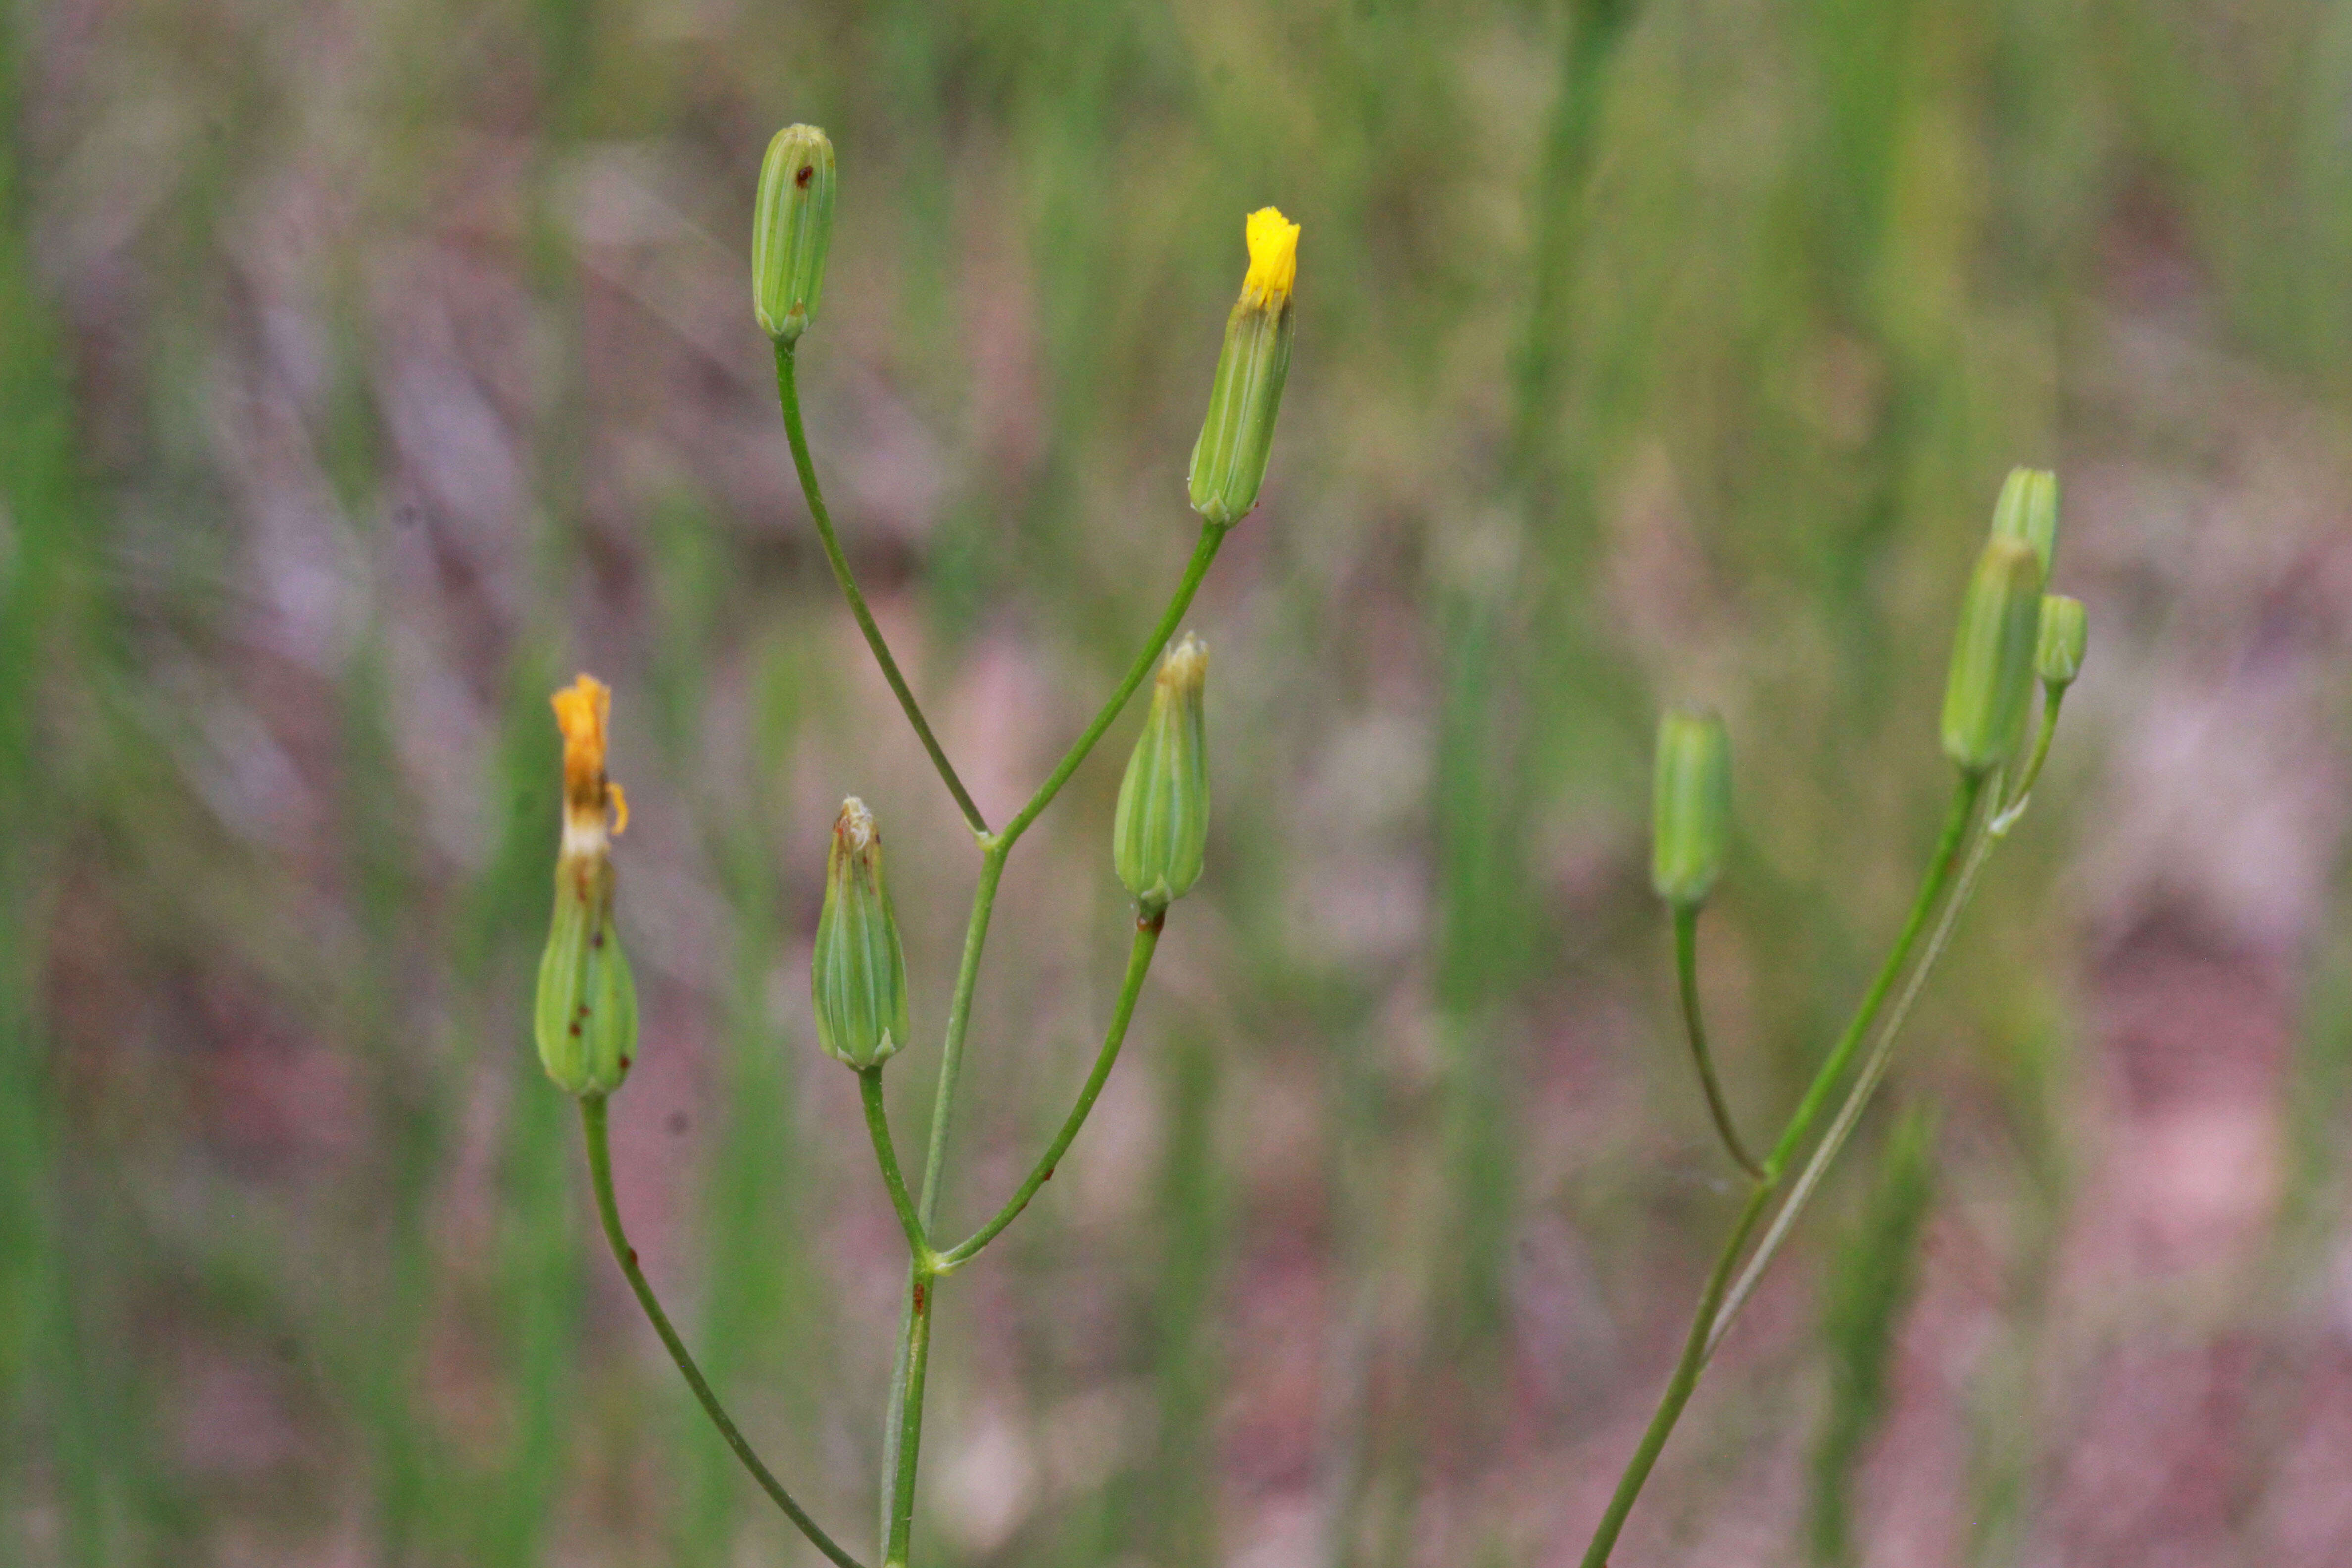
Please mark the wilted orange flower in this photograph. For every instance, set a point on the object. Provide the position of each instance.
(583, 711)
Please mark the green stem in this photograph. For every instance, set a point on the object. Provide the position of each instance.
(1931, 887)
(1687, 969)
(903, 1427)
(914, 1355)
(788, 393)
(1699, 1342)
(2052, 698)
(600, 1172)
(886, 1155)
(1139, 961)
(1865, 1083)
(1211, 536)
(1678, 1387)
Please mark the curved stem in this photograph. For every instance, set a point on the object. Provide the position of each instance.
(2005, 819)
(1139, 960)
(600, 1172)
(1211, 536)
(886, 1155)
(1702, 1339)
(1687, 971)
(1678, 1388)
(1865, 1083)
(1931, 887)
(788, 395)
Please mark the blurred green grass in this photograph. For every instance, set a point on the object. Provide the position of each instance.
(366, 369)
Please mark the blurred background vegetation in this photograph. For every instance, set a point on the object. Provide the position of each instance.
(367, 366)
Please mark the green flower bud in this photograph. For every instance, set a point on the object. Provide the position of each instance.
(1229, 459)
(2028, 510)
(586, 1013)
(2065, 629)
(586, 1018)
(1690, 805)
(790, 227)
(858, 973)
(1991, 688)
(1161, 831)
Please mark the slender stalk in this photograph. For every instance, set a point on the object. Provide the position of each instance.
(1874, 1069)
(2052, 697)
(1931, 887)
(600, 1172)
(886, 1155)
(788, 395)
(1686, 970)
(915, 1357)
(903, 1427)
(1139, 961)
(1211, 536)
(1678, 1387)
(1700, 1341)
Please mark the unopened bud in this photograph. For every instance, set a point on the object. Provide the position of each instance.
(1690, 805)
(857, 974)
(2028, 510)
(1229, 459)
(1161, 832)
(586, 1013)
(1991, 688)
(2065, 629)
(791, 228)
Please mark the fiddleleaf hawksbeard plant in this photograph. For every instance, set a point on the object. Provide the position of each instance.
(586, 1013)
(2010, 635)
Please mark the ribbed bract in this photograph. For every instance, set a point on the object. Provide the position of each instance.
(1160, 835)
(857, 974)
(1690, 805)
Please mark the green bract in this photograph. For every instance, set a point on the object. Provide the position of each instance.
(791, 227)
(1690, 805)
(1161, 831)
(586, 1016)
(2065, 630)
(857, 975)
(1991, 688)
(2028, 510)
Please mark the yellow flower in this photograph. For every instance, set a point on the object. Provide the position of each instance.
(1274, 260)
(583, 711)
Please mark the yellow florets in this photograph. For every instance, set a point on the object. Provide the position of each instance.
(1274, 260)
(583, 711)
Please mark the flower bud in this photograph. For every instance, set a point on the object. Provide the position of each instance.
(586, 1013)
(2065, 629)
(1161, 831)
(790, 227)
(2028, 510)
(1690, 805)
(1991, 688)
(857, 975)
(1229, 459)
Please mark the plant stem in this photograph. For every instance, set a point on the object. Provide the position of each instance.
(600, 1172)
(1211, 536)
(1686, 970)
(1931, 887)
(1139, 961)
(1874, 1069)
(886, 1155)
(1699, 1343)
(906, 1400)
(903, 1427)
(788, 395)
(2005, 819)
(1678, 1387)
